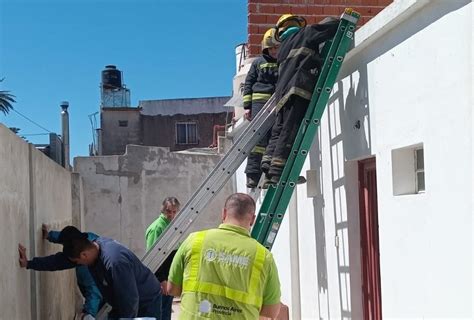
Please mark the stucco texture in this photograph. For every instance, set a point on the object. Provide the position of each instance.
(33, 190)
(52, 203)
(14, 208)
(123, 194)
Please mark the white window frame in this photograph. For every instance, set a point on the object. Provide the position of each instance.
(418, 170)
(186, 123)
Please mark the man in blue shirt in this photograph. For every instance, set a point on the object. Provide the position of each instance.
(125, 283)
(85, 282)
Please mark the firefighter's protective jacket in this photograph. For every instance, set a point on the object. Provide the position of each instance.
(260, 81)
(300, 61)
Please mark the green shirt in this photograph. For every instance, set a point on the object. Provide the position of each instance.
(237, 242)
(155, 230)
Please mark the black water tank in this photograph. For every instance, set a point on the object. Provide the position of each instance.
(111, 77)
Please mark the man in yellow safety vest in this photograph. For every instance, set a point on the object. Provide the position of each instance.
(223, 273)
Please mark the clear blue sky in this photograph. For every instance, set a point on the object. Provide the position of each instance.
(51, 51)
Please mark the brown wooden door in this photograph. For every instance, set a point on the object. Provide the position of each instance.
(369, 232)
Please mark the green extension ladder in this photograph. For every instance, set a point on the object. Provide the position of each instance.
(276, 200)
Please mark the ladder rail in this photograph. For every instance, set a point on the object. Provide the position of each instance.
(270, 221)
(267, 209)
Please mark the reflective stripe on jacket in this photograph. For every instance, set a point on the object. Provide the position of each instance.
(260, 81)
(300, 61)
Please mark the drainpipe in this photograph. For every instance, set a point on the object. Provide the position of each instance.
(99, 142)
(65, 133)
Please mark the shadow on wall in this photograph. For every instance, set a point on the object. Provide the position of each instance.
(349, 138)
(354, 117)
(319, 225)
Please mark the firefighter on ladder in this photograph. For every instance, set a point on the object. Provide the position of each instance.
(299, 64)
(258, 88)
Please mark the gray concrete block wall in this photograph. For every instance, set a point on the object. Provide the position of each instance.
(14, 225)
(52, 205)
(33, 190)
(123, 194)
(77, 193)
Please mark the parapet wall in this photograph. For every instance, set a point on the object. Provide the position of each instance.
(33, 190)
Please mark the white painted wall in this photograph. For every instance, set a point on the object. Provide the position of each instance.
(407, 81)
(426, 239)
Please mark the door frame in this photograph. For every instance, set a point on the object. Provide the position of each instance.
(369, 240)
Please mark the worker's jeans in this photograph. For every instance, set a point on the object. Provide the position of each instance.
(166, 304)
(152, 309)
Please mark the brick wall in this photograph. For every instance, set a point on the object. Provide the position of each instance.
(263, 14)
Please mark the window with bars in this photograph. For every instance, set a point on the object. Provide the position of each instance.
(186, 133)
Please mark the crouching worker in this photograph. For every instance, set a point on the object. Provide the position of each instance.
(258, 88)
(299, 62)
(85, 282)
(124, 282)
(223, 273)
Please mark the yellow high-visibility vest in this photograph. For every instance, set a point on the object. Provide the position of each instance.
(222, 279)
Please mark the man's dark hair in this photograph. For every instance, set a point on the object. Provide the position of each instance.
(70, 233)
(240, 205)
(170, 200)
(73, 248)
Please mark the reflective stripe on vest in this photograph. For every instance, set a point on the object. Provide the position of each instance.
(192, 283)
(261, 96)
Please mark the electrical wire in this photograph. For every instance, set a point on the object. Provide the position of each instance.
(31, 121)
(33, 134)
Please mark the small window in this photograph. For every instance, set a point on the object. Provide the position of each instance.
(186, 133)
(420, 170)
(408, 170)
(123, 123)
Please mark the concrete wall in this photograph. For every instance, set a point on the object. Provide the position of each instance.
(407, 82)
(114, 137)
(123, 194)
(154, 123)
(14, 227)
(33, 190)
(52, 206)
(186, 106)
(160, 131)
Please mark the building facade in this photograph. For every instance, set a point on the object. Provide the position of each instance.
(178, 124)
(383, 226)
